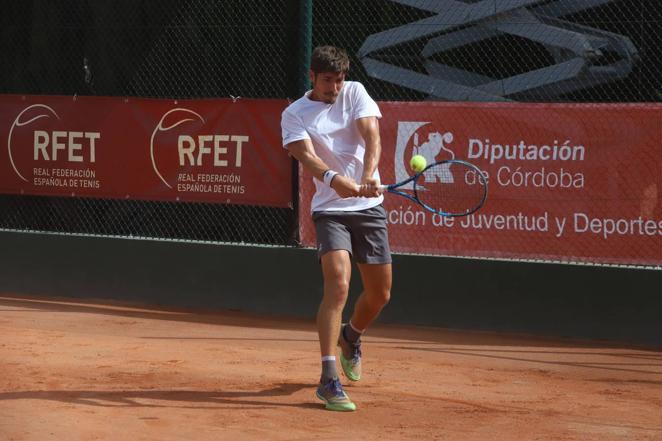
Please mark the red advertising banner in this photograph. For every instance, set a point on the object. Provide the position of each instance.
(218, 151)
(566, 182)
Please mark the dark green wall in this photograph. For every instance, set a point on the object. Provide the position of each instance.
(548, 299)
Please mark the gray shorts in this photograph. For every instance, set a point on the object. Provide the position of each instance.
(362, 233)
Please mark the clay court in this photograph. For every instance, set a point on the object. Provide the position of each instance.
(106, 371)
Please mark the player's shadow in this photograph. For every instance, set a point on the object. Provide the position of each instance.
(184, 399)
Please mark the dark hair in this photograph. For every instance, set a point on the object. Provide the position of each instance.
(329, 59)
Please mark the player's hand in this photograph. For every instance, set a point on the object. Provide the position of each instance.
(370, 188)
(345, 187)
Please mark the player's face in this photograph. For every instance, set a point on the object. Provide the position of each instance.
(326, 86)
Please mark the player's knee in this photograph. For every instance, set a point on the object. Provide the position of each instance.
(336, 301)
(386, 296)
(382, 297)
(336, 293)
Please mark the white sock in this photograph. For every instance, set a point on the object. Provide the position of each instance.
(329, 367)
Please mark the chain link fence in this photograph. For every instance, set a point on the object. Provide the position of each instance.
(402, 50)
(141, 219)
(523, 51)
(515, 50)
(165, 49)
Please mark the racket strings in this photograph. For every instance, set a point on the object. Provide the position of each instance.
(453, 188)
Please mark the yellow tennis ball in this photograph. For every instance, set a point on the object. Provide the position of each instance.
(417, 163)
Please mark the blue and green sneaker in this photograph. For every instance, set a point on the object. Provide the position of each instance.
(350, 356)
(334, 397)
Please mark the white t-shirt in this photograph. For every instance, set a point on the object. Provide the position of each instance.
(336, 138)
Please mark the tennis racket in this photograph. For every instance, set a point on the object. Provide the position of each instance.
(449, 188)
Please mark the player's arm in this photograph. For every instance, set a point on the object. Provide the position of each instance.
(304, 152)
(369, 130)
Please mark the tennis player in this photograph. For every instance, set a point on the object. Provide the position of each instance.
(333, 131)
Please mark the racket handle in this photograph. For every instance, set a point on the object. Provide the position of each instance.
(380, 188)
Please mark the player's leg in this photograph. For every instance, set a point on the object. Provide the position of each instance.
(373, 255)
(377, 281)
(334, 246)
(376, 294)
(336, 270)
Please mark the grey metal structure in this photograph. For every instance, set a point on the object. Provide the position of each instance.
(579, 52)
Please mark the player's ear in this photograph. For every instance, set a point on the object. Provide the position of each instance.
(311, 75)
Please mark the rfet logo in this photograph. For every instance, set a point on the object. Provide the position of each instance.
(46, 143)
(419, 138)
(182, 145)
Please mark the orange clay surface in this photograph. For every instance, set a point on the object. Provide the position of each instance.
(77, 370)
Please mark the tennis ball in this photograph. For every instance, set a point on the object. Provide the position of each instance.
(417, 163)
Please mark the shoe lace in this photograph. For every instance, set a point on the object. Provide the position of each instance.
(355, 348)
(356, 351)
(335, 387)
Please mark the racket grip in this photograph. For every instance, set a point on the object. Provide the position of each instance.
(380, 188)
